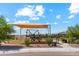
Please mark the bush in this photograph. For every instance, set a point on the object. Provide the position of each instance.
(28, 42)
(49, 41)
(76, 41)
(64, 41)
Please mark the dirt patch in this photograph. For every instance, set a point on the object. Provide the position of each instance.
(43, 46)
(34, 45)
(74, 45)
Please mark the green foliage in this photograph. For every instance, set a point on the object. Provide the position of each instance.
(49, 41)
(28, 42)
(5, 29)
(73, 33)
(36, 37)
(76, 41)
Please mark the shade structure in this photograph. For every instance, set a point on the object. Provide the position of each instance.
(32, 25)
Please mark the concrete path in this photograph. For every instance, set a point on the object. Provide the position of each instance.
(43, 54)
(66, 48)
(41, 50)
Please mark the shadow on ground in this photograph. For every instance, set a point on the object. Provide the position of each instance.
(9, 48)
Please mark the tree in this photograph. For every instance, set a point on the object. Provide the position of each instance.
(5, 29)
(73, 33)
(70, 34)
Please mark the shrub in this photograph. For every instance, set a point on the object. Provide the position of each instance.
(76, 41)
(49, 41)
(64, 41)
(28, 42)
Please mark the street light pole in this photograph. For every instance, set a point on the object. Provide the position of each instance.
(20, 33)
(49, 29)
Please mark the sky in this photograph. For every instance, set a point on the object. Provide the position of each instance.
(59, 15)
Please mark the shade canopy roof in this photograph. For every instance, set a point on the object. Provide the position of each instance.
(32, 25)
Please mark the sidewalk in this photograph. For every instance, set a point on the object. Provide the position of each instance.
(66, 48)
(41, 50)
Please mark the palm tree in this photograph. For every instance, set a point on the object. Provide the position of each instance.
(73, 33)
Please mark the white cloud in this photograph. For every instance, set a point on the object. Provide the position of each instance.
(58, 16)
(47, 23)
(27, 22)
(74, 8)
(20, 22)
(33, 12)
(25, 12)
(30, 6)
(55, 23)
(71, 16)
(7, 19)
(65, 22)
(40, 10)
(51, 10)
(34, 18)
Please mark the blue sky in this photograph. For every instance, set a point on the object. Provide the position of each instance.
(59, 15)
